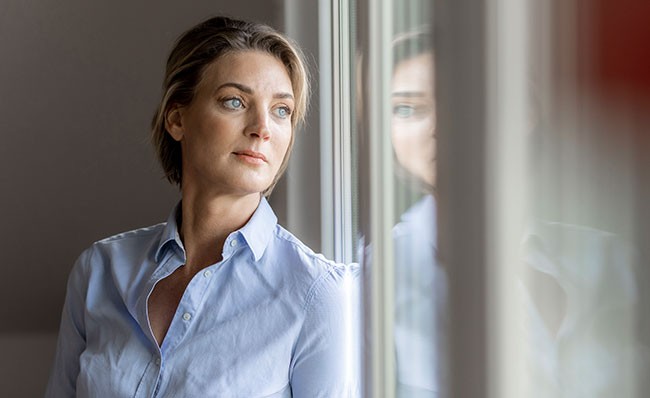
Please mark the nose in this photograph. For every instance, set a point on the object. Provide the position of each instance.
(258, 124)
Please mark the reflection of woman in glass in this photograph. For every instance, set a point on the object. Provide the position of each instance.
(219, 300)
(421, 287)
(413, 104)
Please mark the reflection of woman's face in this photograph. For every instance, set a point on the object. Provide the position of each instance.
(414, 118)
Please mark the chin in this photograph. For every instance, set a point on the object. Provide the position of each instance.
(249, 189)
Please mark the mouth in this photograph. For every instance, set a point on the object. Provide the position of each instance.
(251, 156)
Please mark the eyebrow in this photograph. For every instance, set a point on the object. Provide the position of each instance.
(248, 90)
(410, 94)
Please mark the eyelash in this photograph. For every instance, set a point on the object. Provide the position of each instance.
(287, 110)
(414, 111)
(227, 100)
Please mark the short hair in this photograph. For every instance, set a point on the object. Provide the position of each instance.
(409, 45)
(197, 48)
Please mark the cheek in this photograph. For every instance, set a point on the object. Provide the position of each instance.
(403, 146)
(423, 129)
(282, 142)
(413, 141)
(407, 136)
(397, 129)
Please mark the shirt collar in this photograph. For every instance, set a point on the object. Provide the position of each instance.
(170, 233)
(257, 232)
(422, 217)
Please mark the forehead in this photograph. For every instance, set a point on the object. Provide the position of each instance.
(259, 70)
(414, 73)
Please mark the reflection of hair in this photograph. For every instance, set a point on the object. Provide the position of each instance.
(199, 47)
(411, 44)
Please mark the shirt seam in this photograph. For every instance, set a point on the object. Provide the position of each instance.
(85, 273)
(144, 231)
(314, 289)
(295, 242)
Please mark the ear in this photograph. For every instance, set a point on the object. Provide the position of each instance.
(174, 122)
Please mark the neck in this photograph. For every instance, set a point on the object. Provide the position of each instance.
(206, 222)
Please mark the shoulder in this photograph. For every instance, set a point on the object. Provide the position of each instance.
(323, 364)
(318, 276)
(120, 252)
(137, 242)
(136, 237)
(297, 253)
(418, 222)
(578, 243)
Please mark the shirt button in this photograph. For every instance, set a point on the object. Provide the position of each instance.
(158, 361)
(233, 243)
(207, 273)
(187, 316)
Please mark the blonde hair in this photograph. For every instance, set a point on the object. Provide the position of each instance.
(193, 51)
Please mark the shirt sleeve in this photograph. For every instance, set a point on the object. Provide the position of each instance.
(325, 362)
(72, 334)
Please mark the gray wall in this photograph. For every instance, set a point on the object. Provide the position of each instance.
(79, 82)
(297, 197)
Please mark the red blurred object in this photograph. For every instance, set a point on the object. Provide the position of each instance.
(621, 40)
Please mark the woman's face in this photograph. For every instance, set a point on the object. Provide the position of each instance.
(414, 118)
(235, 133)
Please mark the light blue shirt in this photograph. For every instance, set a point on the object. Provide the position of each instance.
(584, 279)
(269, 320)
(421, 305)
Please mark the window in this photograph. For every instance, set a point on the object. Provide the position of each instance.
(522, 272)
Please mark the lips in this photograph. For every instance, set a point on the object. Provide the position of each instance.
(251, 154)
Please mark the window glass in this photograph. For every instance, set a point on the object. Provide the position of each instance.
(394, 149)
(584, 271)
(420, 282)
(500, 183)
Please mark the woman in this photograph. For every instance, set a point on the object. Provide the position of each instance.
(421, 281)
(219, 300)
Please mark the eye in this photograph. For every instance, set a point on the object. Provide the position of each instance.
(403, 111)
(233, 103)
(282, 112)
